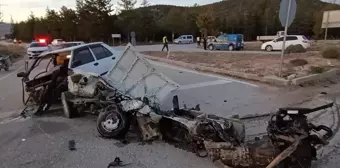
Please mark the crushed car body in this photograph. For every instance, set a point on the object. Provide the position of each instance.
(133, 90)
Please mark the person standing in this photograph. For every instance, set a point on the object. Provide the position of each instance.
(165, 44)
(198, 41)
(205, 42)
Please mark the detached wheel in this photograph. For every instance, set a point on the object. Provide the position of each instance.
(269, 48)
(113, 122)
(211, 47)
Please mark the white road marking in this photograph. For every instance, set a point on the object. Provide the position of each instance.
(199, 73)
(11, 73)
(203, 84)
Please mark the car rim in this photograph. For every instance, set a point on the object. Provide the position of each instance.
(111, 122)
(269, 48)
(211, 47)
(231, 48)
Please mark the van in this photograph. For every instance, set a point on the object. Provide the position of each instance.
(184, 39)
(227, 42)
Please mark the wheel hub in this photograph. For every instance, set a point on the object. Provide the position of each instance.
(111, 123)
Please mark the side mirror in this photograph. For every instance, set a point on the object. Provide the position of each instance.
(75, 63)
(21, 74)
(274, 41)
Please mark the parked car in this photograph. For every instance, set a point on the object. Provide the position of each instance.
(269, 38)
(227, 42)
(276, 44)
(36, 48)
(211, 39)
(184, 39)
(57, 41)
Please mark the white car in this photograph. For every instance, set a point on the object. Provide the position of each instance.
(36, 48)
(68, 44)
(95, 57)
(184, 39)
(57, 41)
(276, 44)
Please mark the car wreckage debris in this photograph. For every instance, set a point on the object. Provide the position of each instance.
(117, 163)
(72, 145)
(134, 90)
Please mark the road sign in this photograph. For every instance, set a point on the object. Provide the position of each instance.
(116, 35)
(287, 12)
(287, 15)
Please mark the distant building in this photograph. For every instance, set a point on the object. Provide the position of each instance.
(5, 28)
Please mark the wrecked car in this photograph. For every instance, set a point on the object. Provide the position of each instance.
(132, 88)
(45, 88)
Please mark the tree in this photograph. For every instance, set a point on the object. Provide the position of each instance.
(1, 16)
(127, 4)
(205, 21)
(145, 3)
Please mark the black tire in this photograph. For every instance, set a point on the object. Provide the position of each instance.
(269, 48)
(230, 47)
(6, 68)
(211, 47)
(179, 42)
(113, 112)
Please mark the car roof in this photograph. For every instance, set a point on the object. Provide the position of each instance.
(68, 49)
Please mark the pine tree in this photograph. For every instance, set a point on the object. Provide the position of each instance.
(127, 4)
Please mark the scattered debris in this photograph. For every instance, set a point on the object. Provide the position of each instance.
(23, 140)
(324, 93)
(117, 163)
(225, 101)
(292, 76)
(72, 145)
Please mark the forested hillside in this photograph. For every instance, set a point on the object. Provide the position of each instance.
(95, 20)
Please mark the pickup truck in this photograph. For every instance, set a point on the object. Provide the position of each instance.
(270, 38)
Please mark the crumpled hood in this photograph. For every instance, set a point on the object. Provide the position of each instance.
(132, 75)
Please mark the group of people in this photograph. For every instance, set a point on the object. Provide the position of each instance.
(198, 39)
(165, 43)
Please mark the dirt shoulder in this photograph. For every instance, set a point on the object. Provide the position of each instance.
(15, 51)
(257, 64)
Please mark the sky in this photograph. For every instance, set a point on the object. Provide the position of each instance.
(21, 9)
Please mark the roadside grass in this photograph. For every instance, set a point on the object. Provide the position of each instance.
(295, 64)
(13, 50)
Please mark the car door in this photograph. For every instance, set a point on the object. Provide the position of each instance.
(184, 39)
(291, 40)
(83, 60)
(104, 56)
(189, 39)
(277, 44)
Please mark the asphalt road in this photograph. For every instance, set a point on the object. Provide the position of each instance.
(192, 48)
(42, 142)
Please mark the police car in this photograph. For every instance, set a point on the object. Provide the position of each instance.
(35, 48)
